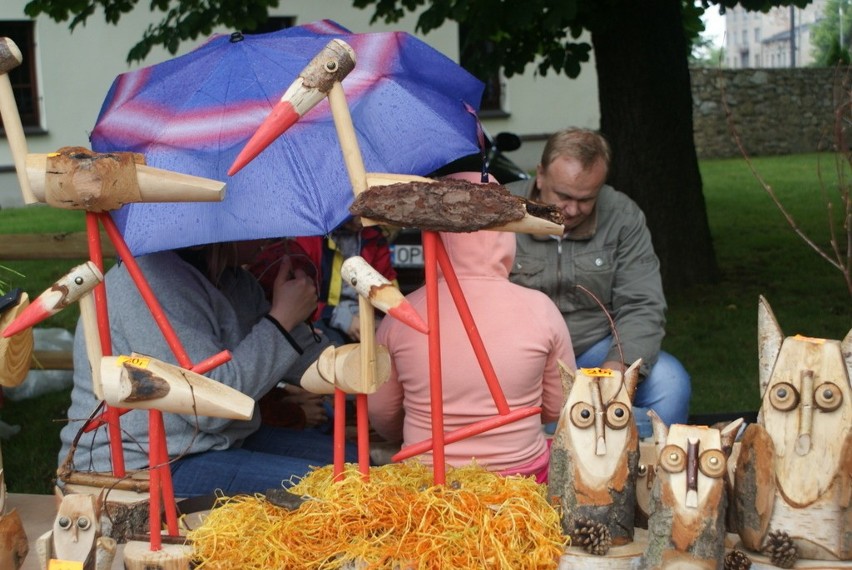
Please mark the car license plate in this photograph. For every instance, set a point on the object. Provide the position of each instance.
(407, 255)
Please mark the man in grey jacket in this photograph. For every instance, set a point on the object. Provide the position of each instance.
(602, 273)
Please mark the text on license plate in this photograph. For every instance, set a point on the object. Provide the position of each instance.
(407, 255)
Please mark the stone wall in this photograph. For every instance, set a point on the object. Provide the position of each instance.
(774, 111)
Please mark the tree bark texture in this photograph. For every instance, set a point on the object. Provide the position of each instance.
(646, 114)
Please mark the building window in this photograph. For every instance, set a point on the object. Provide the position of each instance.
(493, 96)
(23, 77)
(757, 35)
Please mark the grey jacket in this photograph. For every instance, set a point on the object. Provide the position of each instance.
(207, 320)
(612, 256)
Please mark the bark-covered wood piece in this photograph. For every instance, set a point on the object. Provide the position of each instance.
(593, 461)
(124, 511)
(447, 205)
(78, 179)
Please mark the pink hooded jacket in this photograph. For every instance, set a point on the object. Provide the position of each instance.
(524, 334)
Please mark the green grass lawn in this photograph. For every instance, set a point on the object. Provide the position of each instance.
(712, 329)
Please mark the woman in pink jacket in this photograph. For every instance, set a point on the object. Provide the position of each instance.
(524, 334)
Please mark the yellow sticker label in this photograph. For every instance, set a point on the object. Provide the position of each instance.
(64, 565)
(597, 372)
(137, 361)
(810, 339)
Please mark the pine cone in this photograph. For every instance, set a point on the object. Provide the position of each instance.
(781, 549)
(592, 536)
(737, 560)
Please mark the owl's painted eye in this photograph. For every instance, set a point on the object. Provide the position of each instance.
(64, 522)
(828, 396)
(83, 523)
(784, 397)
(712, 463)
(582, 415)
(673, 459)
(617, 415)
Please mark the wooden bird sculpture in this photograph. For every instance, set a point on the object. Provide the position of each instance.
(76, 535)
(686, 529)
(793, 479)
(594, 456)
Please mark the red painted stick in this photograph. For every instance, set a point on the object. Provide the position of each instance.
(93, 236)
(146, 292)
(467, 431)
(155, 439)
(169, 505)
(472, 332)
(439, 469)
(339, 432)
(363, 424)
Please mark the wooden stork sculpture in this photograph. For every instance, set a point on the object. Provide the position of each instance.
(78, 179)
(488, 206)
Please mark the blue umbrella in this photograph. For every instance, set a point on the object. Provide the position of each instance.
(413, 110)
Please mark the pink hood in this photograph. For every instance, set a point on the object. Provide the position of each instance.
(480, 254)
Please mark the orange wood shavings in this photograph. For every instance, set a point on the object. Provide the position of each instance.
(396, 520)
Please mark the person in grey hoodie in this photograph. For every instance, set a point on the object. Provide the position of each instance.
(213, 304)
(603, 272)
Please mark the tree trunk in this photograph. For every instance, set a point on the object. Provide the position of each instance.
(646, 114)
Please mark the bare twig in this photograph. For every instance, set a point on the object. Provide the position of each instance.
(837, 257)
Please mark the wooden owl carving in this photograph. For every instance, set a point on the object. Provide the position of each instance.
(595, 451)
(686, 528)
(794, 470)
(76, 535)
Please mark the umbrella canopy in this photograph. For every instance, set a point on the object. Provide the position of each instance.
(413, 110)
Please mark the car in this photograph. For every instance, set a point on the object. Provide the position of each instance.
(406, 248)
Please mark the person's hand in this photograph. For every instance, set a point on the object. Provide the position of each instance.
(294, 296)
(354, 331)
(311, 404)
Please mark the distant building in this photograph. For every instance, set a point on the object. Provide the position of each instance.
(755, 39)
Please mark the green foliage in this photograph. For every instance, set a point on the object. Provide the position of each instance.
(183, 19)
(826, 35)
(546, 32)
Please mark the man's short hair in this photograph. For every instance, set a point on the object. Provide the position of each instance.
(584, 145)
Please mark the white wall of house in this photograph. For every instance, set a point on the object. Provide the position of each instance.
(76, 70)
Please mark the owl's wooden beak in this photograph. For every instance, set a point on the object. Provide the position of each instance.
(806, 413)
(600, 431)
(692, 473)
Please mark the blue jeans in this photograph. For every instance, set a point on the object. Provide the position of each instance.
(267, 459)
(666, 390)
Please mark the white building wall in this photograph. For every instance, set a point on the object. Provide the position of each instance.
(748, 34)
(76, 70)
